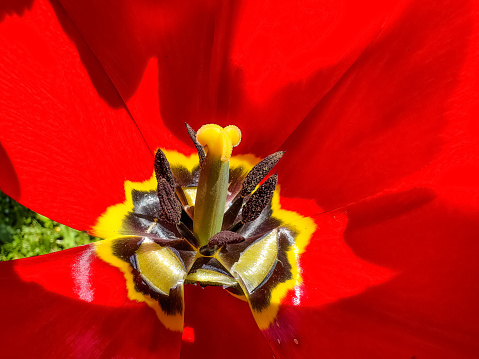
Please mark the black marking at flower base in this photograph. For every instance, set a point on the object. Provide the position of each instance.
(140, 224)
(260, 297)
(125, 249)
(171, 304)
(147, 205)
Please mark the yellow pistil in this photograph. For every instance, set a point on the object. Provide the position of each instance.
(214, 178)
(219, 141)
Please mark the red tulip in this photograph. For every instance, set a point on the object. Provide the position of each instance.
(376, 106)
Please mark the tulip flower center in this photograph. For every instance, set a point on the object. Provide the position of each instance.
(207, 236)
(214, 220)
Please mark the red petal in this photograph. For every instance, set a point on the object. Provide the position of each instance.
(72, 304)
(396, 119)
(260, 66)
(223, 326)
(408, 102)
(427, 310)
(67, 144)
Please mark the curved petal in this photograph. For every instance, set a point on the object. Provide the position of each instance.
(254, 65)
(72, 304)
(395, 273)
(411, 149)
(64, 150)
(424, 307)
(221, 325)
(403, 114)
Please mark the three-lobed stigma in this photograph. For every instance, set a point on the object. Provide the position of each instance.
(218, 141)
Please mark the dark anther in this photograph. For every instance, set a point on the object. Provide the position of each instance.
(170, 206)
(220, 239)
(250, 182)
(199, 148)
(162, 168)
(225, 237)
(259, 199)
(258, 172)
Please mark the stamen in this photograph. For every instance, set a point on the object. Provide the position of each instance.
(225, 237)
(259, 171)
(162, 169)
(170, 207)
(199, 148)
(252, 179)
(259, 199)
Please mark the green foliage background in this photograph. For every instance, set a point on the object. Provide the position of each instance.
(24, 233)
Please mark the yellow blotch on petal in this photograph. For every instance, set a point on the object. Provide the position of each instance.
(219, 141)
(105, 251)
(304, 228)
(110, 223)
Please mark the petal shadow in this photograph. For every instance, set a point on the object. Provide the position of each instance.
(390, 114)
(9, 179)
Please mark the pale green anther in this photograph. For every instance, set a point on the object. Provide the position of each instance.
(256, 262)
(159, 266)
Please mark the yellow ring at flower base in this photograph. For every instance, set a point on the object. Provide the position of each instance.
(264, 318)
(104, 251)
(110, 224)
